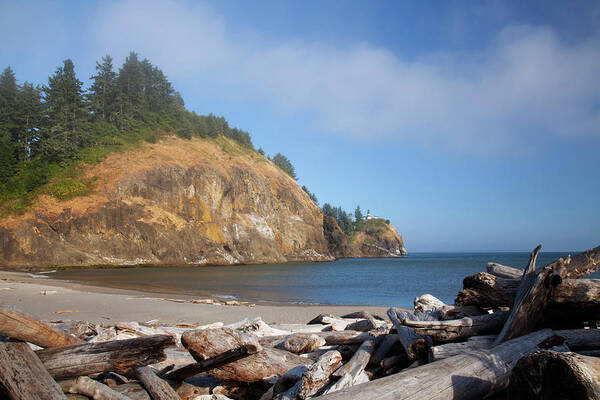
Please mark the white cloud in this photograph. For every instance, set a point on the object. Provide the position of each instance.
(526, 86)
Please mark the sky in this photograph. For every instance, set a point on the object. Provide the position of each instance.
(471, 125)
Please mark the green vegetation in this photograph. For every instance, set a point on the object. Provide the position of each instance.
(47, 131)
(372, 226)
(284, 163)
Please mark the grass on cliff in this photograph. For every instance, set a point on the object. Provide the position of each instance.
(369, 227)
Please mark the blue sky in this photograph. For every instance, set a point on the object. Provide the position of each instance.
(471, 125)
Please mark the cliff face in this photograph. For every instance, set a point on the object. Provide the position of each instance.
(376, 239)
(174, 202)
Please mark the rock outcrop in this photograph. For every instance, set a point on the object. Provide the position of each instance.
(377, 238)
(174, 202)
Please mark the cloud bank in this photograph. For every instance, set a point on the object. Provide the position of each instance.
(527, 86)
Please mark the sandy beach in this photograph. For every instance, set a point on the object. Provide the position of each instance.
(53, 300)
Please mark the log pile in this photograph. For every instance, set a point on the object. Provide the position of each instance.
(510, 334)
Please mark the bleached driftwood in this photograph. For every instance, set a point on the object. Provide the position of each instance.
(205, 344)
(158, 388)
(415, 345)
(503, 271)
(23, 376)
(452, 349)
(95, 390)
(18, 325)
(120, 356)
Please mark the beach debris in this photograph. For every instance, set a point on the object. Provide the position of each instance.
(491, 339)
(37, 276)
(46, 292)
(65, 311)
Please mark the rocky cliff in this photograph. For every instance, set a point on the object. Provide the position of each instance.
(374, 238)
(174, 202)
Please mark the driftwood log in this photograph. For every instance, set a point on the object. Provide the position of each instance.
(158, 388)
(452, 349)
(451, 330)
(331, 338)
(581, 339)
(415, 345)
(119, 356)
(226, 357)
(503, 271)
(359, 360)
(550, 375)
(473, 375)
(18, 325)
(536, 288)
(208, 343)
(23, 376)
(384, 345)
(95, 390)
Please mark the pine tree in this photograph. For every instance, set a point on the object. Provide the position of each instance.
(284, 163)
(66, 115)
(358, 214)
(103, 92)
(28, 119)
(8, 162)
(8, 101)
(130, 85)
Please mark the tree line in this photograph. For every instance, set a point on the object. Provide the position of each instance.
(345, 222)
(49, 127)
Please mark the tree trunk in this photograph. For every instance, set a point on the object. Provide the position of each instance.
(452, 330)
(359, 360)
(415, 345)
(452, 349)
(550, 375)
(208, 343)
(158, 388)
(502, 271)
(385, 344)
(474, 375)
(95, 390)
(317, 376)
(23, 376)
(18, 325)
(119, 356)
(208, 364)
(581, 339)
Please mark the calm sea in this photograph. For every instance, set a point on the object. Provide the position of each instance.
(381, 282)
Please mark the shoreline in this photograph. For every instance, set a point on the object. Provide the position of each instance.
(52, 299)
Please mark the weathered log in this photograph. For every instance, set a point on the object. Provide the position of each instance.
(583, 264)
(363, 315)
(486, 290)
(22, 374)
(226, 357)
(205, 344)
(555, 376)
(319, 319)
(359, 360)
(451, 330)
(415, 345)
(363, 325)
(392, 361)
(132, 390)
(384, 345)
(473, 375)
(333, 337)
(158, 388)
(317, 375)
(533, 296)
(302, 343)
(502, 271)
(119, 355)
(18, 325)
(581, 339)
(95, 390)
(458, 312)
(452, 349)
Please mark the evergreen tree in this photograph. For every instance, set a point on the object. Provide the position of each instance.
(358, 214)
(284, 163)
(28, 119)
(8, 101)
(103, 92)
(66, 115)
(7, 158)
(130, 85)
(312, 196)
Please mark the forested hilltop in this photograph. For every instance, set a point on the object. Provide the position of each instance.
(46, 131)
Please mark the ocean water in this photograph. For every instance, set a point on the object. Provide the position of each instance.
(354, 281)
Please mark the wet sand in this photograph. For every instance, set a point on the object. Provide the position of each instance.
(71, 301)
